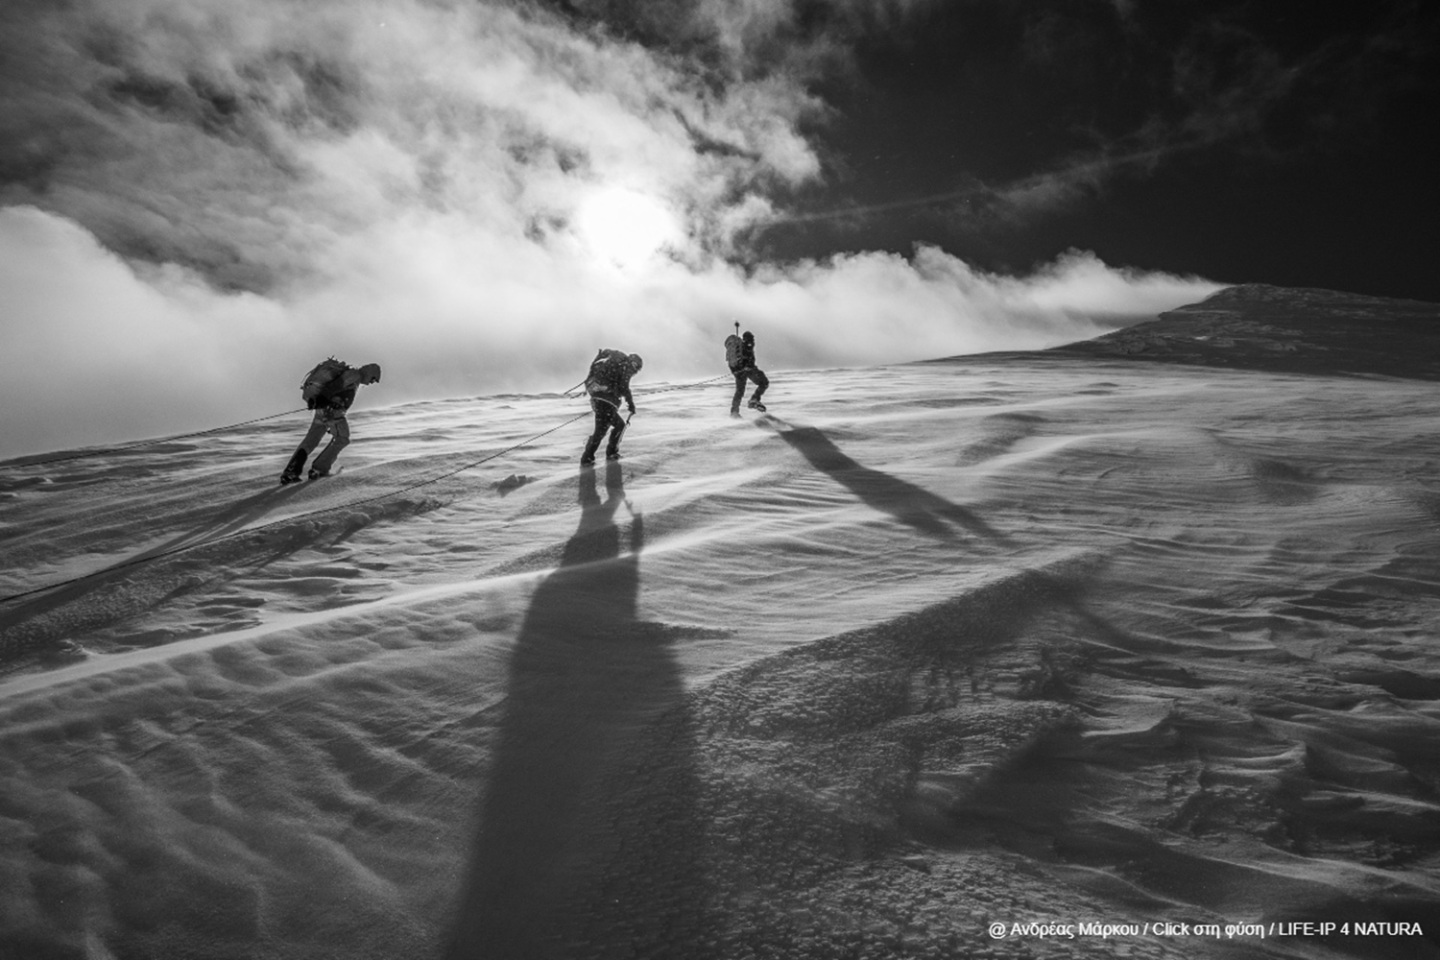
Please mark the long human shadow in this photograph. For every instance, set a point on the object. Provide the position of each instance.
(588, 834)
(913, 506)
(20, 635)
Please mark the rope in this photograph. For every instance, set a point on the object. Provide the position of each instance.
(20, 462)
(685, 386)
(145, 443)
(136, 561)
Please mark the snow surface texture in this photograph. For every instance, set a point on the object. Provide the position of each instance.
(1054, 640)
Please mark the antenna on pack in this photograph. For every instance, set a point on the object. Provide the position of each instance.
(737, 328)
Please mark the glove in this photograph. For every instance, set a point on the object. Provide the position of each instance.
(632, 409)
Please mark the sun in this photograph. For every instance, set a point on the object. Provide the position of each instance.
(624, 226)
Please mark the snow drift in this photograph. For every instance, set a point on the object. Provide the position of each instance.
(1021, 640)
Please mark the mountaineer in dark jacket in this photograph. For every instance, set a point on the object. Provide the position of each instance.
(329, 390)
(740, 354)
(608, 384)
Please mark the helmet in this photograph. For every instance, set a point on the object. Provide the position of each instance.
(370, 373)
(635, 363)
(748, 337)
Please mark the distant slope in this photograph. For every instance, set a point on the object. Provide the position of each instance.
(1280, 329)
(1287, 330)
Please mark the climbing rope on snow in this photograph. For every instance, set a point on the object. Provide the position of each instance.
(19, 462)
(22, 462)
(684, 386)
(147, 558)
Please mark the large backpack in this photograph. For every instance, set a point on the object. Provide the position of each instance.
(312, 388)
(607, 371)
(734, 350)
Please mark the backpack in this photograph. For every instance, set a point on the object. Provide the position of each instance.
(607, 371)
(312, 388)
(734, 350)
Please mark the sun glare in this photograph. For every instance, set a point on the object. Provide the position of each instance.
(624, 226)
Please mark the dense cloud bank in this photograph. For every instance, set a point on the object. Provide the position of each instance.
(103, 350)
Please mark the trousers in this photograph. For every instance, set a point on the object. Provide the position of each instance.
(334, 423)
(607, 417)
(748, 373)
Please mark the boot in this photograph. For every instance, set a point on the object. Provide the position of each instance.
(296, 464)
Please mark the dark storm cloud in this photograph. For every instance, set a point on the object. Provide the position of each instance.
(734, 38)
(169, 139)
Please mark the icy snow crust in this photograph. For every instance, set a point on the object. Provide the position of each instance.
(930, 648)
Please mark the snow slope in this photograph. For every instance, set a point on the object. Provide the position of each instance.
(1004, 639)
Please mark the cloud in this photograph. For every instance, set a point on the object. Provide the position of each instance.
(242, 139)
(203, 198)
(97, 352)
(882, 308)
(101, 351)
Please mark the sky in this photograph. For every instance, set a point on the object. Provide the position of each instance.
(199, 199)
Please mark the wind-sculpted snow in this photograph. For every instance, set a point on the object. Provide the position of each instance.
(1044, 643)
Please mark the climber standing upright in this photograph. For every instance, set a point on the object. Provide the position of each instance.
(740, 355)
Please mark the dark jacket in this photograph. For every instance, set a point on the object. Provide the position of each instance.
(747, 355)
(339, 393)
(610, 378)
